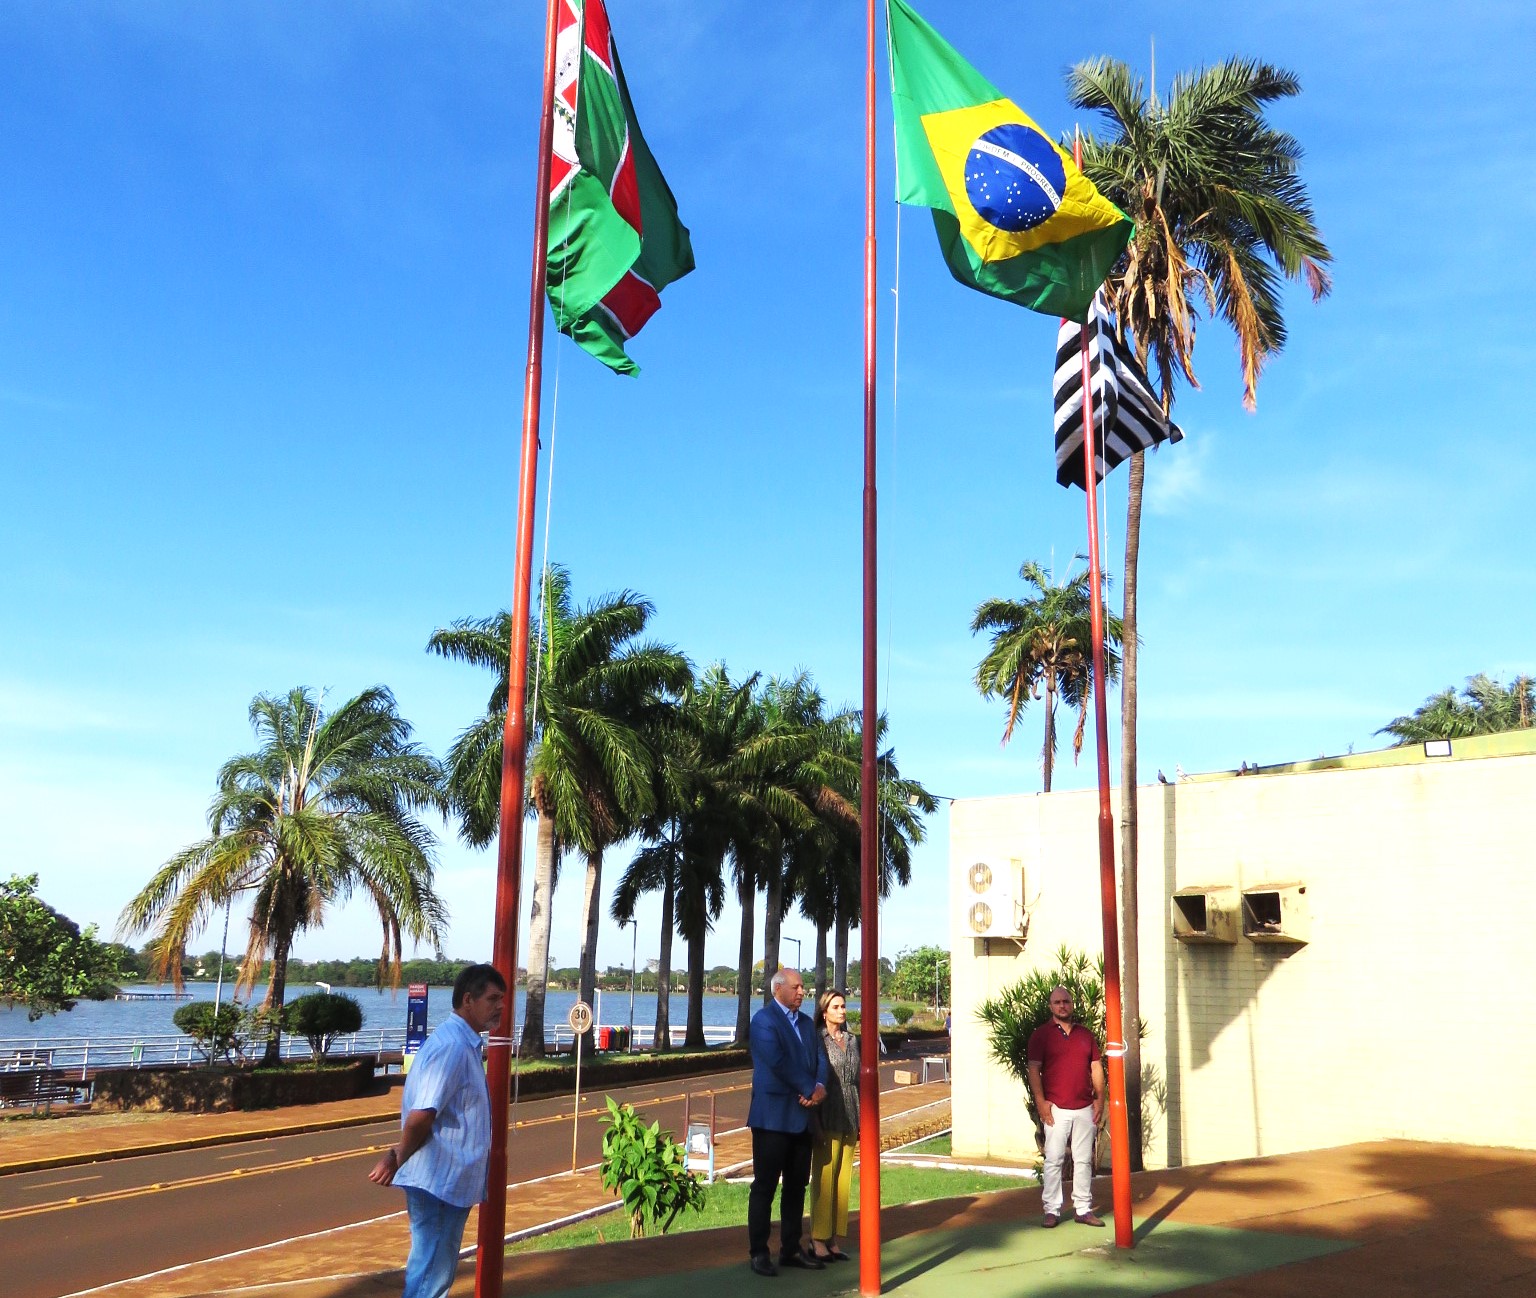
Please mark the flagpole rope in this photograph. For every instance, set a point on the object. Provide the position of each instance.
(538, 640)
(890, 622)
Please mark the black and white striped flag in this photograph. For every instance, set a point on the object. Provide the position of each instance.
(1126, 416)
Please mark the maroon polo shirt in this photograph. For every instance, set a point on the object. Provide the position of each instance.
(1064, 1058)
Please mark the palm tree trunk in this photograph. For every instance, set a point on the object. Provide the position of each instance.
(773, 921)
(662, 1039)
(1130, 963)
(821, 961)
(746, 894)
(840, 960)
(277, 988)
(594, 899)
(1048, 756)
(538, 938)
(693, 1039)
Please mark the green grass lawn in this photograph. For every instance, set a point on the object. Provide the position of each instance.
(725, 1204)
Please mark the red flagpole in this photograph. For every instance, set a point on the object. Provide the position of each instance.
(491, 1239)
(869, 925)
(1114, 1028)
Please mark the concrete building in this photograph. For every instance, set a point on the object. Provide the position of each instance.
(1331, 951)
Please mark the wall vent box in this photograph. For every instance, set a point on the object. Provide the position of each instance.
(994, 899)
(1277, 912)
(1206, 915)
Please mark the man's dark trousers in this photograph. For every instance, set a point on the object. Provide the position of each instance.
(775, 1155)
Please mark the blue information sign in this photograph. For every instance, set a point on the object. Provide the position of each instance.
(415, 1020)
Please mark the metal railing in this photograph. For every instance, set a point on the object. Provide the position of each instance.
(85, 1054)
(563, 1039)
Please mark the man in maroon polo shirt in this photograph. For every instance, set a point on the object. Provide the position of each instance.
(1066, 1075)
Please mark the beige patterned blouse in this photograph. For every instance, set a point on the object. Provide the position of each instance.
(839, 1113)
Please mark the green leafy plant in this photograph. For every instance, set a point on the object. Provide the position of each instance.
(1014, 1013)
(648, 1170)
(320, 1017)
(215, 1032)
(902, 1014)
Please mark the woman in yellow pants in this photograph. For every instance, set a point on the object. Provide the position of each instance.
(837, 1138)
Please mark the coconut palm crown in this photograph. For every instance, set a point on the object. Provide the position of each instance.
(1222, 215)
(323, 809)
(593, 690)
(1042, 647)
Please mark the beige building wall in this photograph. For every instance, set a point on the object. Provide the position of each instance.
(1406, 1013)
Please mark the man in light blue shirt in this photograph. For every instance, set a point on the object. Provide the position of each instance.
(445, 1133)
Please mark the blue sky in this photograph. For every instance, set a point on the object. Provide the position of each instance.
(263, 286)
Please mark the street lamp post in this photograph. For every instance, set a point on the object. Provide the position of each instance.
(634, 950)
(796, 941)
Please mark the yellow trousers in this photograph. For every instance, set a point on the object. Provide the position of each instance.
(831, 1180)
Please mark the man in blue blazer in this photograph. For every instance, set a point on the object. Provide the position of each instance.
(789, 1076)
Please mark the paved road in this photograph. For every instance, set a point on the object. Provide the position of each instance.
(75, 1228)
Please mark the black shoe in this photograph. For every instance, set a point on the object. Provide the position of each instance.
(763, 1265)
(802, 1260)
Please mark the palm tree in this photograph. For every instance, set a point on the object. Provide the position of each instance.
(1485, 706)
(1043, 645)
(656, 867)
(736, 757)
(660, 866)
(591, 767)
(823, 864)
(801, 790)
(900, 804)
(1222, 217)
(322, 809)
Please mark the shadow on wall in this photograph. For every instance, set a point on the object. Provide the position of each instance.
(1206, 989)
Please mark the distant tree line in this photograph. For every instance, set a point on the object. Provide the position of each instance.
(363, 972)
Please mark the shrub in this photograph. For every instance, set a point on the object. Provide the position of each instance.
(648, 1170)
(215, 1032)
(902, 1014)
(1014, 1013)
(320, 1018)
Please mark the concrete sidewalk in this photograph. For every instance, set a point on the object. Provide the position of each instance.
(1394, 1219)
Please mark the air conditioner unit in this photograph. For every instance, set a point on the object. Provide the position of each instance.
(994, 900)
(1277, 913)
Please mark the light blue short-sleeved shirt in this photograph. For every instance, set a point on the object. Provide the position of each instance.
(447, 1075)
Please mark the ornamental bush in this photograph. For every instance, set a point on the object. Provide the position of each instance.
(648, 1170)
(215, 1032)
(320, 1018)
(902, 1014)
(1014, 1013)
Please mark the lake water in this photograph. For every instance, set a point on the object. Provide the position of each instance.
(381, 1009)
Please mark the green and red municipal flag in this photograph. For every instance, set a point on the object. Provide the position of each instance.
(1015, 216)
(614, 238)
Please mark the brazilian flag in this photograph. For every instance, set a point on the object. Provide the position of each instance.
(1015, 216)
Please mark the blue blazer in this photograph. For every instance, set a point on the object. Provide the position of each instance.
(783, 1069)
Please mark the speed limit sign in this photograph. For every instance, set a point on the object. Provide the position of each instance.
(580, 1017)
